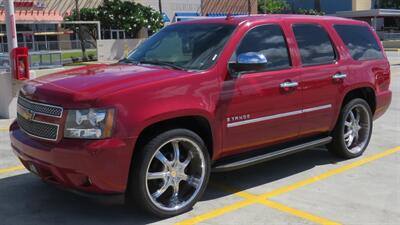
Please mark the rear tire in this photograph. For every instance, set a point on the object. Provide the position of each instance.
(170, 173)
(353, 130)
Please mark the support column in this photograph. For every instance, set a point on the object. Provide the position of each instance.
(8, 85)
(10, 25)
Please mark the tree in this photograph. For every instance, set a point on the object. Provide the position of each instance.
(80, 32)
(86, 14)
(389, 4)
(122, 15)
(272, 6)
(309, 12)
(129, 16)
(317, 5)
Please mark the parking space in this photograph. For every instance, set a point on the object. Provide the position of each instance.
(311, 187)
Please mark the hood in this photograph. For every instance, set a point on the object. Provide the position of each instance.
(90, 82)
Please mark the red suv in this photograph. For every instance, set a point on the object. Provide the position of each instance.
(200, 96)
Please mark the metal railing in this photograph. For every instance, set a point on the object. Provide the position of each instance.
(391, 36)
(49, 45)
(37, 60)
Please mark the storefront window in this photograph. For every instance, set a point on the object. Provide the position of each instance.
(24, 27)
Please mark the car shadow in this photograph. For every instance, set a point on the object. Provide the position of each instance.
(24, 199)
(274, 170)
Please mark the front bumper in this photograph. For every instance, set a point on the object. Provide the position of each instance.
(98, 166)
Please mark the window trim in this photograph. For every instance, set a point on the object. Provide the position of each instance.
(262, 71)
(347, 48)
(335, 51)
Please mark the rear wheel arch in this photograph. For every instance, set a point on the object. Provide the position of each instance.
(366, 93)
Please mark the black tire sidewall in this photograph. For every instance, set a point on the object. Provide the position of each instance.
(137, 187)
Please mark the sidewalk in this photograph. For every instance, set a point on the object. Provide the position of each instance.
(394, 57)
(5, 124)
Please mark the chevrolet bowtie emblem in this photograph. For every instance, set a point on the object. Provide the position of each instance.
(26, 114)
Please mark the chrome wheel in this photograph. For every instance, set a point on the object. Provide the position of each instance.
(175, 174)
(357, 130)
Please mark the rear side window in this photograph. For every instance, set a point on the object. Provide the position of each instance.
(360, 41)
(269, 41)
(314, 44)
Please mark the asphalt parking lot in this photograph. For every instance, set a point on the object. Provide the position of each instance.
(311, 187)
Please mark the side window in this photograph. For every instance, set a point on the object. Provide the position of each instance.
(269, 41)
(314, 44)
(360, 41)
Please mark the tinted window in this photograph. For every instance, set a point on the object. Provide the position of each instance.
(192, 47)
(360, 42)
(314, 44)
(269, 41)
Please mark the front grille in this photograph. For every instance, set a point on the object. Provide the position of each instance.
(27, 111)
(38, 129)
(40, 108)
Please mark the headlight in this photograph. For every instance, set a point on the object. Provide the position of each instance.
(89, 123)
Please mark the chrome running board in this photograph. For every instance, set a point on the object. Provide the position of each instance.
(244, 162)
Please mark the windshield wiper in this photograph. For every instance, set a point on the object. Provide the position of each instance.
(162, 63)
(127, 61)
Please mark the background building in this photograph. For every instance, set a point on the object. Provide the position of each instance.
(378, 13)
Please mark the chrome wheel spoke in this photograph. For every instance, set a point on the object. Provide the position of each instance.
(356, 136)
(163, 159)
(157, 175)
(346, 135)
(161, 191)
(184, 177)
(176, 189)
(352, 118)
(174, 200)
(175, 145)
(357, 119)
(187, 160)
(347, 124)
(193, 181)
(350, 140)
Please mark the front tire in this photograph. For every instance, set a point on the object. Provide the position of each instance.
(353, 130)
(170, 173)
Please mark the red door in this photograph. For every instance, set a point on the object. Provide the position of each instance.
(262, 107)
(322, 76)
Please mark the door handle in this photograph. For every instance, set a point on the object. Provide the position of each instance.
(339, 76)
(289, 84)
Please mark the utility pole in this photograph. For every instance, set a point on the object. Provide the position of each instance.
(249, 6)
(317, 5)
(160, 6)
(80, 33)
(11, 29)
(377, 4)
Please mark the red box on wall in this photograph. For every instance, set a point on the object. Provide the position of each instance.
(20, 63)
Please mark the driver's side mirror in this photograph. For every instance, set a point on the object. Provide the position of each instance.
(247, 62)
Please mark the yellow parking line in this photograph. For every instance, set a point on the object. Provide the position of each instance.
(276, 205)
(4, 129)
(330, 173)
(216, 213)
(11, 169)
(296, 212)
(263, 198)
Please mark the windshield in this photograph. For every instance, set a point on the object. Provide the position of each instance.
(184, 46)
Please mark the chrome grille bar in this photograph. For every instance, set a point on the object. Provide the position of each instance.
(41, 108)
